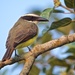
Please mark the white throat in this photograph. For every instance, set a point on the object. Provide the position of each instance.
(36, 22)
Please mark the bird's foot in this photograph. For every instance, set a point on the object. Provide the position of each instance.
(28, 48)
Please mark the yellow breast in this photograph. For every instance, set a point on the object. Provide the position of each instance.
(27, 43)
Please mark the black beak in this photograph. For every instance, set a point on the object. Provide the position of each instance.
(41, 19)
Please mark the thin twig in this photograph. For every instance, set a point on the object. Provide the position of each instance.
(67, 8)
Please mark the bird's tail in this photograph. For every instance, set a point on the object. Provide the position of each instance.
(7, 55)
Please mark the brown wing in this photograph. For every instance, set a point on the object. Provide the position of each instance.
(27, 32)
(21, 32)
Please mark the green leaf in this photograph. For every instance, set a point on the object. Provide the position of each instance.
(71, 45)
(70, 3)
(58, 11)
(58, 62)
(46, 37)
(50, 71)
(46, 13)
(71, 57)
(61, 23)
(63, 29)
(34, 70)
(71, 50)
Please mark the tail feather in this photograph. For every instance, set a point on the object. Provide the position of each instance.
(7, 55)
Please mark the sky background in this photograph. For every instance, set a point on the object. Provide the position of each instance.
(10, 11)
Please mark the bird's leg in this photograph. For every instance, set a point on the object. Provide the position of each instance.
(16, 54)
(28, 48)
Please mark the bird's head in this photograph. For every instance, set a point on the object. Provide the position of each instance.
(34, 18)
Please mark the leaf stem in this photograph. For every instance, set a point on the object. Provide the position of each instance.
(67, 8)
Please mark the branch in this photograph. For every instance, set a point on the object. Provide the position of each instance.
(27, 66)
(38, 50)
(67, 8)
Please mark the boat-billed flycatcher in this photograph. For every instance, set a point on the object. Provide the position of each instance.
(22, 34)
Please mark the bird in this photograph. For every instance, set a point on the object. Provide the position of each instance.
(22, 34)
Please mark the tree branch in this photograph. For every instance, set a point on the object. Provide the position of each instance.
(38, 50)
(27, 66)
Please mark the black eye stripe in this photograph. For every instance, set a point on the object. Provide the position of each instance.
(30, 18)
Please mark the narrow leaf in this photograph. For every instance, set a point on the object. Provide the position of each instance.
(46, 13)
(58, 11)
(61, 23)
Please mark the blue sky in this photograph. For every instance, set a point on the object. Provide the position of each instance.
(10, 11)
